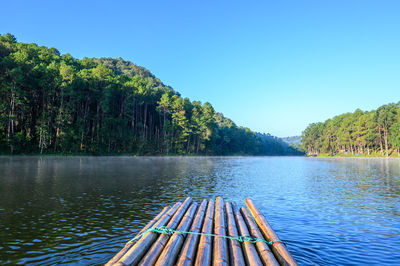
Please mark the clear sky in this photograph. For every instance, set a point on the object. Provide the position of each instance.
(273, 66)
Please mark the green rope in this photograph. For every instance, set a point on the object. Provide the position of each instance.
(170, 231)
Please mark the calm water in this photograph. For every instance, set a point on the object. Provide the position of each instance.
(81, 210)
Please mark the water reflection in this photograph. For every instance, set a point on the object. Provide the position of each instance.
(82, 209)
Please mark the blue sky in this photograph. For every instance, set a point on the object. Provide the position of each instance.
(273, 66)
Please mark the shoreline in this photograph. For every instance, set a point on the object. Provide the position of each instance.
(355, 157)
(193, 156)
(154, 156)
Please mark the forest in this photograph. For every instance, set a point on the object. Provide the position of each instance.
(375, 133)
(52, 103)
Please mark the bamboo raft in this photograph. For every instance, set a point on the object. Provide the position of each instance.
(210, 233)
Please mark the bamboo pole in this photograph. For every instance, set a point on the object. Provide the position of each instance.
(171, 250)
(152, 255)
(267, 257)
(278, 248)
(136, 252)
(221, 256)
(129, 245)
(188, 252)
(235, 250)
(250, 251)
(204, 254)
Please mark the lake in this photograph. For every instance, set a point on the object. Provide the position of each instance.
(82, 210)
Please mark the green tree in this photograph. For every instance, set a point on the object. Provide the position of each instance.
(394, 136)
(53, 103)
(385, 116)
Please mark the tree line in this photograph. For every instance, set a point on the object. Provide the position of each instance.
(375, 132)
(54, 103)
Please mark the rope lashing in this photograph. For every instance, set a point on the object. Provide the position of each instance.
(169, 231)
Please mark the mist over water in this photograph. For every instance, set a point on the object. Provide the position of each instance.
(84, 209)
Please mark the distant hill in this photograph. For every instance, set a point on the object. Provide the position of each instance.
(293, 140)
(276, 146)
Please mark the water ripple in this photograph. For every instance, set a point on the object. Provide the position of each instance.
(81, 210)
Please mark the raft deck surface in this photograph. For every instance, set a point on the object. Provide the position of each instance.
(209, 233)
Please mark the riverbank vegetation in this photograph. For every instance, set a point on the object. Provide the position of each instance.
(371, 134)
(52, 103)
